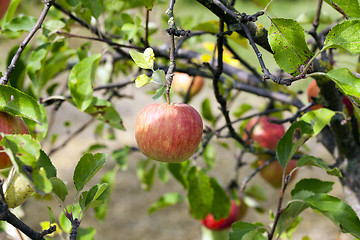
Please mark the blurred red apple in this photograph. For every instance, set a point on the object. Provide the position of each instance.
(313, 92)
(168, 132)
(4, 4)
(265, 133)
(237, 211)
(10, 124)
(272, 173)
(182, 82)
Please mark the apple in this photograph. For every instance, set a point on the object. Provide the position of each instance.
(265, 133)
(182, 82)
(17, 189)
(273, 172)
(4, 4)
(10, 124)
(168, 132)
(237, 211)
(313, 92)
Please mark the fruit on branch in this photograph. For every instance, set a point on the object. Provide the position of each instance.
(313, 92)
(4, 4)
(262, 131)
(182, 82)
(168, 132)
(273, 172)
(10, 124)
(17, 189)
(237, 211)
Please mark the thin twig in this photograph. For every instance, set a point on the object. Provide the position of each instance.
(4, 79)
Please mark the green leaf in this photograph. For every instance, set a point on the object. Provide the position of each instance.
(64, 222)
(108, 178)
(345, 35)
(149, 4)
(163, 172)
(318, 119)
(36, 63)
(287, 41)
(209, 156)
(168, 199)
(51, 215)
(38, 131)
(142, 80)
(220, 207)
(349, 7)
(247, 231)
(104, 111)
(337, 211)
(90, 198)
(45, 162)
(20, 104)
(20, 24)
(303, 189)
(24, 153)
(80, 81)
(72, 3)
(59, 188)
(96, 6)
(295, 136)
(86, 168)
(211, 26)
(243, 108)
(86, 233)
(120, 157)
(146, 174)
(159, 92)
(346, 81)
(313, 161)
(200, 193)
(179, 170)
(143, 60)
(159, 77)
(206, 111)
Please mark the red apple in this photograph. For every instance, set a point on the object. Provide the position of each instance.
(313, 92)
(235, 214)
(168, 132)
(265, 133)
(182, 82)
(4, 4)
(10, 124)
(272, 173)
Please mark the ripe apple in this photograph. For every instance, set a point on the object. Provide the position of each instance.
(4, 4)
(182, 82)
(313, 92)
(265, 133)
(272, 173)
(168, 132)
(237, 211)
(10, 124)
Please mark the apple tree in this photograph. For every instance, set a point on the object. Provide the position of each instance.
(93, 54)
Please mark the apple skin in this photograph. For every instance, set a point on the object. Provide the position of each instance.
(10, 124)
(4, 4)
(265, 133)
(168, 132)
(272, 173)
(236, 213)
(182, 82)
(314, 90)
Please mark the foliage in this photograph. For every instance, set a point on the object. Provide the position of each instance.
(122, 55)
